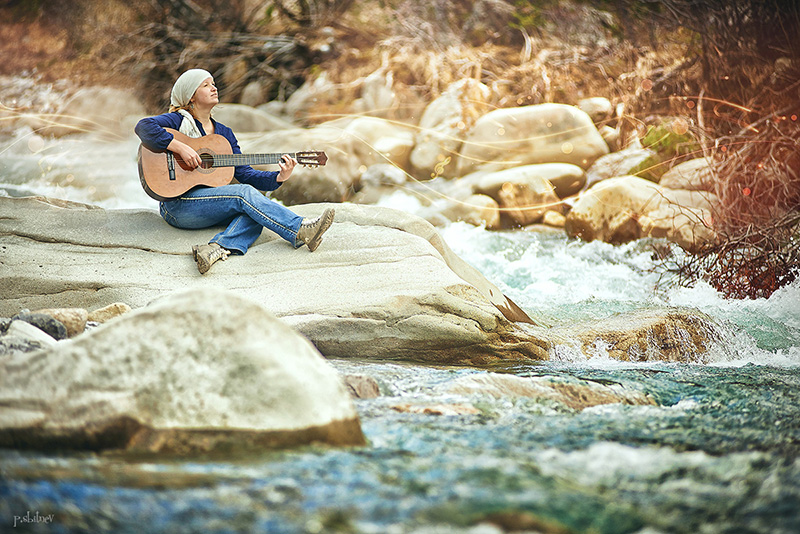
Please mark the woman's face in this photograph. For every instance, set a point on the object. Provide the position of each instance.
(206, 95)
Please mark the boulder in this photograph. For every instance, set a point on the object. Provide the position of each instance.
(443, 126)
(693, 175)
(377, 96)
(383, 284)
(105, 110)
(598, 108)
(301, 103)
(620, 163)
(378, 181)
(352, 146)
(176, 377)
(383, 174)
(544, 133)
(331, 183)
(524, 193)
(611, 136)
(253, 94)
(625, 208)
(554, 219)
(437, 409)
(376, 141)
(672, 334)
(477, 210)
(566, 179)
(241, 118)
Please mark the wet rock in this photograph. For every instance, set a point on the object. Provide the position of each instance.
(362, 386)
(437, 409)
(572, 392)
(175, 377)
(522, 521)
(680, 335)
(554, 219)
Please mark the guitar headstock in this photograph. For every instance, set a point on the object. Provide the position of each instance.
(311, 158)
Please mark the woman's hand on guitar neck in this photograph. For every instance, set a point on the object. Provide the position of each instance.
(185, 152)
(287, 165)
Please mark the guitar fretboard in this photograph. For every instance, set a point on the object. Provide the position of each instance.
(234, 160)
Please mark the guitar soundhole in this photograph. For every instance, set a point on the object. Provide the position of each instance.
(207, 162)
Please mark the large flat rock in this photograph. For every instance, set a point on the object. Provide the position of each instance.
(382, 285)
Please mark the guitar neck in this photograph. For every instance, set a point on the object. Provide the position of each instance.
(234, 160)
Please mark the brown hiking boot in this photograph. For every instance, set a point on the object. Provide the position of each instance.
(311, 230)
(207, 255)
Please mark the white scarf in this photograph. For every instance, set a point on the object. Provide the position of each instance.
(188, 124)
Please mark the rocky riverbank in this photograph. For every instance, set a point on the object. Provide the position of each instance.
(384, 286)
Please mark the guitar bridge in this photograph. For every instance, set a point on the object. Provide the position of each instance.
(171, 165)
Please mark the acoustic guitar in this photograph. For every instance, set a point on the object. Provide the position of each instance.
(164, 175)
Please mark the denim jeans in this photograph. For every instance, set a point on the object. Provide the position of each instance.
(241, 207)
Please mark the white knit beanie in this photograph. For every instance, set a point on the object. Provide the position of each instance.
(185, 86)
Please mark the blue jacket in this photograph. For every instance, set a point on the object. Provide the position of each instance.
(151, 131)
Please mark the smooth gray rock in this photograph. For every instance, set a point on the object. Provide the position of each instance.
(198, 371)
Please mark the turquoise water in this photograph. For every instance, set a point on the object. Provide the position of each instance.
(717, 452)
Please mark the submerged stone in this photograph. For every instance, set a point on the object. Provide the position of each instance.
(680, 335)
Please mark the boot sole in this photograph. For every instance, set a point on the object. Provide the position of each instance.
(202, 265)
(326, 223)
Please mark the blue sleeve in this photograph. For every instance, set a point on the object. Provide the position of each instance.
(261, 180)
(151, 130)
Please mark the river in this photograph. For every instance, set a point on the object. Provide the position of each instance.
(717, 452)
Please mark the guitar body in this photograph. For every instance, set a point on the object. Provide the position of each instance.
(163, 179)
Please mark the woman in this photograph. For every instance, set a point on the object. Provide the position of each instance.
(242, 207)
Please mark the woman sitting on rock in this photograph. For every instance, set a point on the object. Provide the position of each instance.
(242, 207)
